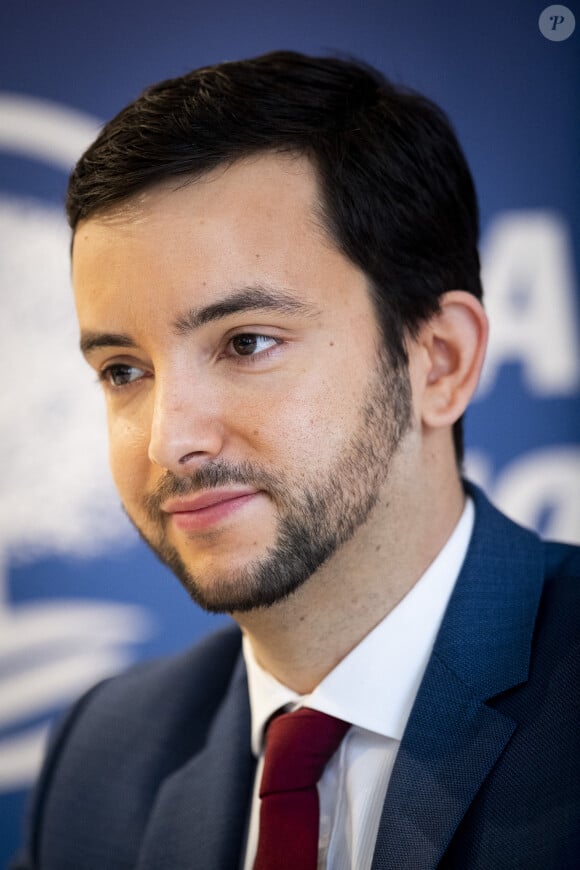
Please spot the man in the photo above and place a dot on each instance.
(277, 282)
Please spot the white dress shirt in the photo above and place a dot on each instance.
(373, 687)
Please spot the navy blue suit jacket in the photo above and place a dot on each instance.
(152, 770)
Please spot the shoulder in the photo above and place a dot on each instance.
(124, 737)
(148, 720)
(558, 622)
(204, 669)
(562, 561)
(516, 599)
(164, 692)
(500, 539)
(536, 590)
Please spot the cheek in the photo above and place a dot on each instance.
(128, 455)
(305, 425)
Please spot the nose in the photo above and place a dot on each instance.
(186, 429)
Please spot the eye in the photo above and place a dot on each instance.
(251, 344)
(119, 375)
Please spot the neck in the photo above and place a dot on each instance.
(301, 639)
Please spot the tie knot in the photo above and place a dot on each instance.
(298, 746)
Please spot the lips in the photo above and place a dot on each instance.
(208, 499)
(208, 508)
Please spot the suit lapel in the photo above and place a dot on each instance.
(453, 738)
(450, 744)
(199, 819)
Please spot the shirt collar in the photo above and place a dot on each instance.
(375, 685)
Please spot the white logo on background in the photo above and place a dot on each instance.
(56, 494)
(531, 299)
(539, 488)
(530, 295)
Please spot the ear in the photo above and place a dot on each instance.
(452, 348)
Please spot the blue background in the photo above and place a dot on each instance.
(512, 96)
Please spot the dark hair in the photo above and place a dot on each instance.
(395, 190)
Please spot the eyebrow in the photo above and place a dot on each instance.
(254, 298)
(91, 341)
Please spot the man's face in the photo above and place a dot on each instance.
(252, 414)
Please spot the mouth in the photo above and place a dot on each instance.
(208, 508)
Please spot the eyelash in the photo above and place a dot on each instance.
(254, 357)
(105, 375)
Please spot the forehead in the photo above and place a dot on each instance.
(254, 222)
(252, 192)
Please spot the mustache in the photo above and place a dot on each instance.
(209, 476)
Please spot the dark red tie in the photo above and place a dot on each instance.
(298, 746)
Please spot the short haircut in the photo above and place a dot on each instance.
(395, 189)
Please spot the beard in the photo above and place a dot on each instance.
(313, 521)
